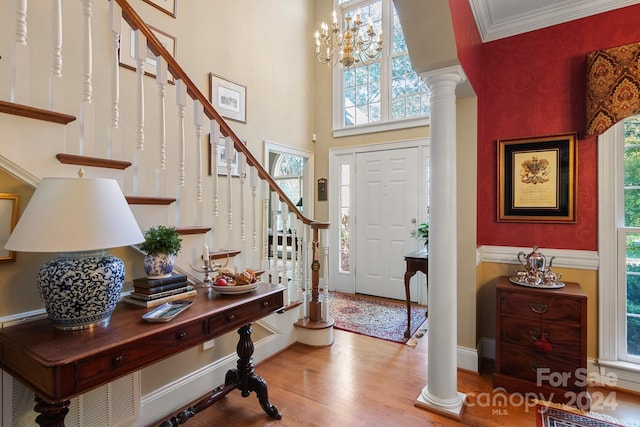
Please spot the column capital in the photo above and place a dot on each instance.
(454, 74)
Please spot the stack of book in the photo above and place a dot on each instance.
(154, 292)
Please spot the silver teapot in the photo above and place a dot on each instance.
(534, 261)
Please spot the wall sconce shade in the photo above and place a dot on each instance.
(79, 218)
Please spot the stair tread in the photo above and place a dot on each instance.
(74, 159)
(224, 253)
(35, 113)
(149, 200)
(193, 229)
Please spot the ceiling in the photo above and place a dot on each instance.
(498, 19)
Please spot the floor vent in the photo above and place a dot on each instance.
(110, 405)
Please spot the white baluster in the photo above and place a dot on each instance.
(324, 239)
(308, 250)
(265, 225)
(115, 19)
(161, 79)
(197, 123)
(56, 88)
(20, 65)
(214, 137)
(228, 146)
(181, 103)
(86, 110)
(285, 250)
(243, 177)
(141, 58)
(275, 276)
(254, 218)
(294, 253)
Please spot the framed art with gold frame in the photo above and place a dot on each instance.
(8, 220)
(537, 179)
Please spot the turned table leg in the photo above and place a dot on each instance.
(51, 414)
(245, 377)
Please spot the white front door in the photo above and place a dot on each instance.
(386, 203)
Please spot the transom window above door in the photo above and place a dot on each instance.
(385, 93)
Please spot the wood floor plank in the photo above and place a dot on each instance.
(363, 381)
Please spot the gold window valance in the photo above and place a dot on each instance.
(613, 86)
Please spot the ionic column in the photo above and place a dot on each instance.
(440, 394)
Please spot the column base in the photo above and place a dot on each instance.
(317, 334)
(451, 410)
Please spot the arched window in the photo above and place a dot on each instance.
(288, 174)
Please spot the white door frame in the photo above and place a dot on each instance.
(345, 282)
(307, 180)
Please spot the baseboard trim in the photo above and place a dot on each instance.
(468, 359)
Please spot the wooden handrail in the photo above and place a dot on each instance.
(136, 23)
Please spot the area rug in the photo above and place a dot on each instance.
(553, 415)
(384, 319)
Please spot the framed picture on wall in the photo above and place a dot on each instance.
(221, 161)
(170, 7)
(128, 50)
(537, 179)
(8, 220)
(228, 98)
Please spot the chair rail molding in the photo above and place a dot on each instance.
(566, 258)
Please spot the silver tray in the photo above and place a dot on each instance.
(556, 285)
(167, 311)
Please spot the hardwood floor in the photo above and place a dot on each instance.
(363, 381)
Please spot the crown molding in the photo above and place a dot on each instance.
(537, 15)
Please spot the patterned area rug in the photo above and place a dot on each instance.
(384, 319)
(554, 415)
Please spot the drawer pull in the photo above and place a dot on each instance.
(181, 335)
(231, 318)
(538, 307)
(117, 361)
(265, 304)
(535, 365)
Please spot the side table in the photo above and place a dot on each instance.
(416, 261)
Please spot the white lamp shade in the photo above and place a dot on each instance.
(75, 214)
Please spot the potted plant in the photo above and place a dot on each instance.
(160, 245)
(422, 233)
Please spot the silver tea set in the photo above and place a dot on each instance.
(537, 270)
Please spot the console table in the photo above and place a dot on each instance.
(416, 261)
(58, 365)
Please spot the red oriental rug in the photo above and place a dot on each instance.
(378, 318)
(560, 416)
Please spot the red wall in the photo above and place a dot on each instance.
(532, 85)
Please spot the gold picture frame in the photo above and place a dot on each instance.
(9, 205)
(127, 50)
(537, 179)
(170, 7)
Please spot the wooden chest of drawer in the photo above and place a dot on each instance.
(541, 342)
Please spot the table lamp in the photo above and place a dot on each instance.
(80, 218)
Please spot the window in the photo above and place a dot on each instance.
(345, 216)
(619, 251)
(387, 93)
(629, 235)
(288, 174)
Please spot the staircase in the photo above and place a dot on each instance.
(150, 134)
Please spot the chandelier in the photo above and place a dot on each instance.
(352, 45)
